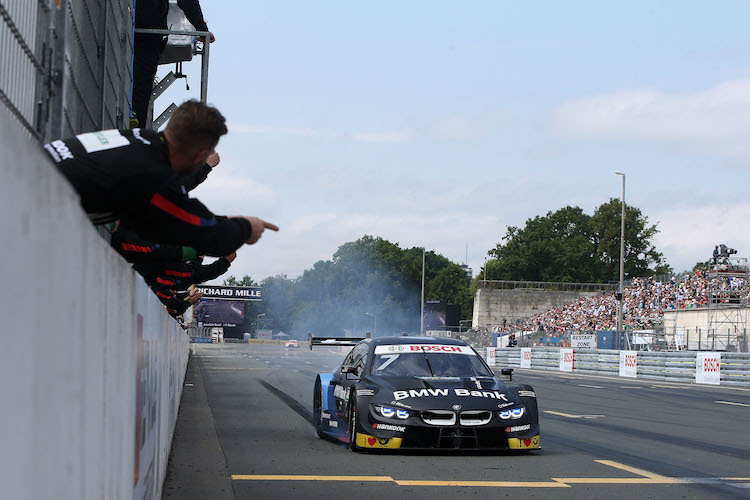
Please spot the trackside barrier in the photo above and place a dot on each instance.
(92, 365)
(678, 366)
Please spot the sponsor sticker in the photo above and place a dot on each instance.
(524, 443)
(389, 427)
(518, 428)
(527, 394)
(365, 392)
(419, 348)
(425, 393)
(504, 405)
(367, 441)
(333, 423)
(102, 140)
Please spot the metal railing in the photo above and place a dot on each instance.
(556, 286)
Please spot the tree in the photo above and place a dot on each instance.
(641, 257)
(569, 245)
(555, 247)
(245, 281)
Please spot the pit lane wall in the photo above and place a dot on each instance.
(717, 368)
(91, 364)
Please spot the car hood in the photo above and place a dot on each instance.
(423, 393)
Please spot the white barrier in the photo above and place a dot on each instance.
(92, 366)
(728, 368)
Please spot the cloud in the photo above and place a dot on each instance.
(309, 238)
(229, 194)
(714, 120)
(383, 137)
(688, 234)
(460, 127)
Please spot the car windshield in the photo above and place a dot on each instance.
(427, 361)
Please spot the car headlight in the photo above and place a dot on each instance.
(389, 412)
(512, 413)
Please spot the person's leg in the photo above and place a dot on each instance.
(147, 50)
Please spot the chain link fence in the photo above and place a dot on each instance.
(66, 65)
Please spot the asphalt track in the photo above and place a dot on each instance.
(243, 432)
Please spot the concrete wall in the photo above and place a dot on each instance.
(493, 305)
(91, 365)
(695, 325)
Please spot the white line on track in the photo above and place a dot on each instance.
(591, 386)
(568, 415)
(732, 403)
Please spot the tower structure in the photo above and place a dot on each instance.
(727, 296)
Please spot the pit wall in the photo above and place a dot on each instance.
(92, 365)
(493, 305)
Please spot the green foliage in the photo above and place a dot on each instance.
(569, 245)
(245, 281)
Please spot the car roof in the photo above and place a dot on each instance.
(416, 340)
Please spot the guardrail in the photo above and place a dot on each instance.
(725, 368)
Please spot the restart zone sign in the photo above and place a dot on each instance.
(251, 293)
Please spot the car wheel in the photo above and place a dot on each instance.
(353, 426)
(317, 419)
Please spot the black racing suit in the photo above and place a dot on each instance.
(180, 275)
(127, 175)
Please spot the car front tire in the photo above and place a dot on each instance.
(318, 410)
(353, 425)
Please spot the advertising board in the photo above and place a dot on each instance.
(491, 356)
(708, 368)
(628, 364)
(566, 360)
(526, 357)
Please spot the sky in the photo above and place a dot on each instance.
(439, 124)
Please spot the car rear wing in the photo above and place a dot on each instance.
(334, 341)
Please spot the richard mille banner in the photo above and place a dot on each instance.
(252, 293)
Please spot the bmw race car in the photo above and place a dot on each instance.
(422, 393)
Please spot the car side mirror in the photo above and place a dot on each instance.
(350, 370)
(508, 372)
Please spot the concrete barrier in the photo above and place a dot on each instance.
(91, 364)
(675, 366)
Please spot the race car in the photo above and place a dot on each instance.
(292, 343)
(422, 393)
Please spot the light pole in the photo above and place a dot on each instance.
(622, 256)
(375, 318)
(257, 322)
(421, 308)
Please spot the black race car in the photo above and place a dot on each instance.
(421, 393)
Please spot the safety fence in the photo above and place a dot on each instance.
(65, 65)
(725, 368)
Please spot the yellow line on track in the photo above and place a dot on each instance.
(495, 484)
(634, 470)
(616, 480)
(259, 477)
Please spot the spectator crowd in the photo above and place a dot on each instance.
(644, 303)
